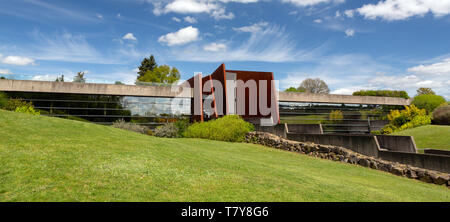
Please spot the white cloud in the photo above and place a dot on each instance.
(239, 1)
(221, 14)
(176, 19)
(257, 27)
(215, 47)
(349, 32)
(439, 68)
(190, 6)
(129, 36)
(318, 21)
(17, 60)
(5, 71)
(99, 16)
(180, 37)
(391, 10)
(215, 8)
(190, 19)
(349, 13)
(304, 3)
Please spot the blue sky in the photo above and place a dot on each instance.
(351, 44)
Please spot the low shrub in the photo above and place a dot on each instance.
(13, 104)
(28, 110)
(408, 118)
(230, 128)
(182, 125)
(168, 130)
(384, 93)
(3, 100)
(441, 115)
(428, 102)
(122, 124)
(336, 116)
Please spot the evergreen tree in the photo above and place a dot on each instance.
(148, 64)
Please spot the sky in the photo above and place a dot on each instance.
(350, 44)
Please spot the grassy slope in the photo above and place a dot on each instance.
(430, 136)
(51, 159)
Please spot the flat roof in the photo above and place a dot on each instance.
(178, 91)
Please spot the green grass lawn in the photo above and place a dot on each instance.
(430, 136)
(52, 159)
(303, 119)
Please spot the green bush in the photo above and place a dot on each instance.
(27, 110)
(441, 115)
(122, 124)
(182, 125)
(408, 118)
(428, 102)
(336, 116)
(384, 93)
(168, 130)
(13, 104)
(3, 100)
(230, 128)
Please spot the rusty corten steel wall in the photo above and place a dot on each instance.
(220, 75)
(253, 75)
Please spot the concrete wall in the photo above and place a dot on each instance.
(279, 129)
(427, 161)
(364, 144)
(96, 89)
(332, 98)
(305, 128)
(166, 91)
(397, 143)
(437, 152)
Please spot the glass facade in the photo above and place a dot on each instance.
(336, 117)
(107, 109)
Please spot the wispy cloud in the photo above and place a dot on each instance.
(40, 10)
(272, 44)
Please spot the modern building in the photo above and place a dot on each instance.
(155, 104)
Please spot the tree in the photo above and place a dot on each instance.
(60, 79)
(425, 91)
(428, 102)
(314, 86)
(293, 89)
(119, 83)
(148, 64)
(161, 74)
(79, 78)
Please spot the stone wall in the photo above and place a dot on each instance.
(364, 144)
(337, 153)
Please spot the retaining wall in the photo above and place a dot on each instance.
(397, 143)
(439, 163)
(438, 152)
(305, 128)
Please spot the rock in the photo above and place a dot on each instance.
(410, 173)
(397, 170)
(438, 179)
(364, 162)
(424, 176)
(373, 165)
